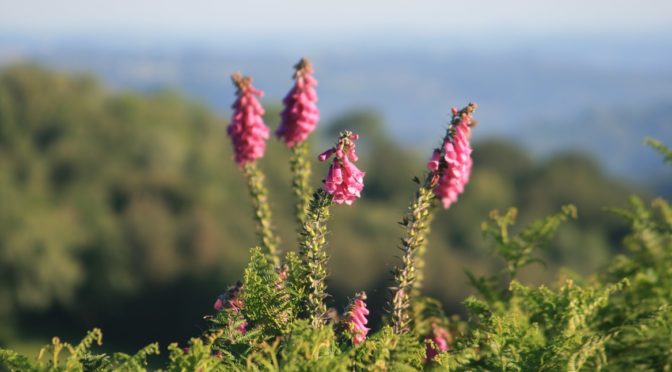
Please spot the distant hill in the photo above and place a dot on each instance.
(614, 135)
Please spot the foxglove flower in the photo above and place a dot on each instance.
(355, 319)
(344, 181)
(440, 342)
(457, 154)
(301, 114)
(247, 129)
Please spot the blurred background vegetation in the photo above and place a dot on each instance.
(125, 211)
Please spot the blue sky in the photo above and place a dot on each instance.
(308, 20)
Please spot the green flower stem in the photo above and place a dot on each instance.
(262, 211)
(416, 222)
(420, 255)
(314, 257)
(301, 171)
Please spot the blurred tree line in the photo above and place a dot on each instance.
(126, 211)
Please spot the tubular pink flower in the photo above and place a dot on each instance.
(301, 114)
(433, 163)
(457, 155)
(326, 155)
(441, 339)
(247, 129)
(355, 319)
(344, 180)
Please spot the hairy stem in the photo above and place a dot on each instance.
(314, 257)
(301, 171)
(262, 212)
(420, 255)
(416, 222)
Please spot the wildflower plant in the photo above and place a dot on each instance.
(343, 184)
(277, 318)
(248, 134)
(297, 121)
(448, 172)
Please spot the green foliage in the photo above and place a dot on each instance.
(198, 357)
(661, 148)
(539, 329)
(311, 349)
(646, 340)
(518, 250)
(124, 362)
(267, 301)
(79, 358)
(388, 351)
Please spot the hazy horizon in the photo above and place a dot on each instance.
(306, 21)
(551, 63)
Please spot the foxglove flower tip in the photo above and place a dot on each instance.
(247, 129)
(300, 115)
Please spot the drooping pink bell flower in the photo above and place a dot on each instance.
(440, 342)
(247, 129)
(301, 114)
(355, 319)
(433, 163)
(344, 181)
(457, 154)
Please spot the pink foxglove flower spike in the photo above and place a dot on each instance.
(300, 116)
(297, 121)
(355, 319)
(249, 134)
(247, 129)
(449, 169)
(344, 181)
(343, 184)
